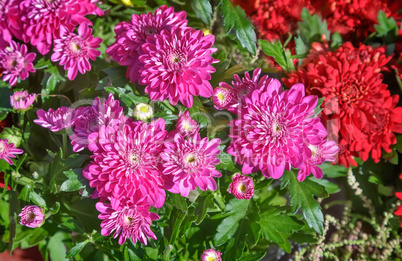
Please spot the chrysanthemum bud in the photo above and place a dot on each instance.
(242, 187)
(143, 111)
(186, 125)
(211, 255)
(22, 101)
(31, 216)
(221, 97)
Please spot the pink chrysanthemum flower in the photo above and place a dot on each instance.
(242, 187)
(274, 130)
(8, 150)
(89, 119)
(125, 161)
(316, 155)
(190, 163)
(16, 62)
(211, 255)
(56, 120)
(10, 22)
(128, 220)
(186, 126)
(242, 87)
(178, 65)
(31, 216)
(130, 36)
(74, 51)
(43, 19)
(22, 100)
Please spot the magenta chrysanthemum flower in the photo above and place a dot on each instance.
(242, 187)
(233, 98)
(186, 126)
(56, 120)
(316, 155)
(125, 161)
(274, 130)
(74, 51)
(22, 100)
(130, 36)
(31, 216)
(16, 62)
(190, 163)
(211, 255)
(10, 22)
(8, 150)
(43, 19)
(128, 220)
(178, 65)
(89, 119)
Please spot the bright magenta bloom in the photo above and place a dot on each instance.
(74, 51)
(8, 150)
(128, 220)
(222, 98)
(130, 36)
(178, 65)
(211, 255)
(186, 126)
(22, 100)
(56, 120)
(190, 163)
(242, 187)
(31, 216)
(274, 130)
(43, 19)
(10, 22)
(125, 162)
(17, 62)
(89, 119)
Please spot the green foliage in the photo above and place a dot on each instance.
(276, 51)
(386, 27)
(203, 10)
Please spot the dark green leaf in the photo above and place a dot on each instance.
(203, 10)
(276, 51)
(77, 249)
(179, 202)
(117, 75)
(70, 223)
(72, 183)
(204, 203)
(25, 194)
(37, 199)
(302, 196)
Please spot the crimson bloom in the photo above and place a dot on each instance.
(74, 51)
(31, 216)
(178, 65)
(17, 62)
(8, 150)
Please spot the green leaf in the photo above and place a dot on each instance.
(25, 194)
(302, 196)
(330, 187)
(277, 227)
(333, 171)
(37, 199)
(227, 228)
(117, 75)
(387, 27)
(276, 51)
(70, 223)
(179, 202)
(42, 63)
(226, 162)
(127, 96)
(131, 253)
(56, 247)
(77, 249)
(318, 108)
(72, 183)
(203, 10)
(204, 203)
(235, 17)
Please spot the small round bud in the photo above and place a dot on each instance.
(143, 111)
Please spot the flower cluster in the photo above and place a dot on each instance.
(277, 130)
(358, 110)
(171, 59)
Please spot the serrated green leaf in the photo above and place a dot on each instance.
(330, 187)
(203, 10)
(70, 223)
(235, 17)
(302, 196)
(72, 183)
(276, 51)
(386, 27)
(77, 249)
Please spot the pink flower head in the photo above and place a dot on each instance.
(316, 155)
(190, 163)
(211, 255)
(10, 22)
(17, 62)
(56, 120)
(89, 119)
(242, 187)
(130, 36)
(44, 19)
(31, 216)
(22, 100)
(186, 125)
(274, 130)
(128, 220)
(125, 161)
(178, 65)
(221, 98)
(233, 98)
(8, 150)
(74, 51)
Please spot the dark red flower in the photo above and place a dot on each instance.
(398, 211)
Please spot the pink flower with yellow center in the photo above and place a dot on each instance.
(211, 255)
(31, 216)
(242, 187)
(186, 126)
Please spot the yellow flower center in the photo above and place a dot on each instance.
(242, 188)
(220, 96)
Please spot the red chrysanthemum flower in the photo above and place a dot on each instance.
(178, 65)
(42, 19)
(398, 211)
(10, 22)
(130, 36)
(125, 162)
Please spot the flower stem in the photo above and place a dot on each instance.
(65, 148)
